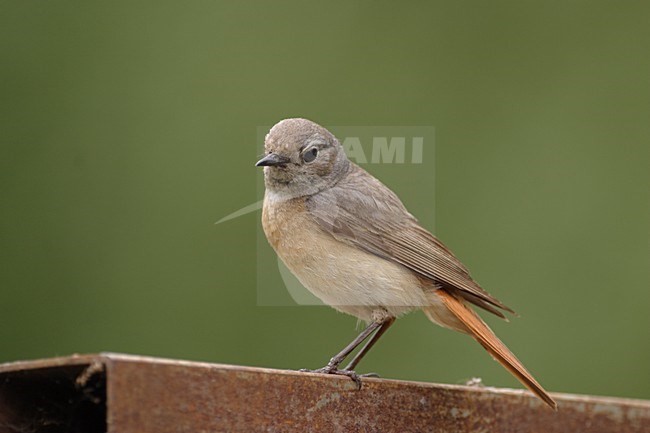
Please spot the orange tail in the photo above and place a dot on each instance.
(478, 329)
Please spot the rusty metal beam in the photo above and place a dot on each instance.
(128, 394)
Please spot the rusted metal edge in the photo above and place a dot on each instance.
(107, 358)
(127, 393)
(54, 395)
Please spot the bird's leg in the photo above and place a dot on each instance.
(339, 357)
(332, 366)
(384, 327)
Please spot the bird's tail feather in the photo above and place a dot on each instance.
(479, 330)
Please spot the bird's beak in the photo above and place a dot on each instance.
(272, 160)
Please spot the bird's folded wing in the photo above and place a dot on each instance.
(361, 211)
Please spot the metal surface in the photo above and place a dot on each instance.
(120, 393)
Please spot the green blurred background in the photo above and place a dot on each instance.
(128, 128)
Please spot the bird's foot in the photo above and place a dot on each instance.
(354, 377)
(323, 370)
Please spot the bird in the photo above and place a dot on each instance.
(351, 242)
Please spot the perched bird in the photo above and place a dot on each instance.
(352, 243)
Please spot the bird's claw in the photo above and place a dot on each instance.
(354, 377)
(322, 370)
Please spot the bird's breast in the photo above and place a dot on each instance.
(341, 275)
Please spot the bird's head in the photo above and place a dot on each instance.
(301, 158)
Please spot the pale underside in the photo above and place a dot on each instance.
(336, 244)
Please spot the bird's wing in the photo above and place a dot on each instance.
(361, 211)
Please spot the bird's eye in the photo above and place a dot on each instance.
(310, 155)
